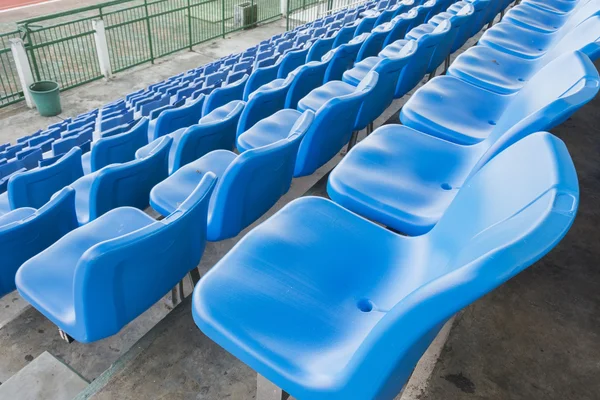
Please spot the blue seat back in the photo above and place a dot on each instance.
(342, 58)
(34, 188)
(215, 131)
(292, 60)
(412, 74)
(116, 120)
(308, 77)
(382, 94)
(119, 129)
(119, 148)
(156, 257)
(223, 95)
(146, 109)
(216, 78)
(365, 25)
(319, 48)
(236, 76)
(30, 157)
(385, 16)
(26, 232)
(261, 76)
(181, 117)
(129, 184)
(422, 12)
(331, 128)
(61, 146)
(266, 101)
(482, 10)
(254, 182)
(540, 105)
(374, 43)
(400, 26)
(283, 46)
(344, 35)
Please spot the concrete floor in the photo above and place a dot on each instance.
(538, 335)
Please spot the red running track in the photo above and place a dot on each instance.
(10, 4)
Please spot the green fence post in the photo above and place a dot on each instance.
(32, 59)
(223, 17)
(287, 16)
(189, 23)
(149, 31)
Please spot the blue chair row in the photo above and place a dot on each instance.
(504, 195)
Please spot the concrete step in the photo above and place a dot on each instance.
(45, 378)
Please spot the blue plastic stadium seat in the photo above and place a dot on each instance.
(291, 60)
(415, 70)
(265, 101)
(223, 95)
(61, 146)
(342, 58)
(331, 128)
(35, 187)
(505, 73)
(249, 184)
(99, 277)
(374, 42)
(366, 24)
(214, 131)
(388, 70)
(557, 6)
(524, 42)
(546, 21)
(119, 185)
(117, 148)
(116, 120)
(262, 75)
(344, 35)
(171, 120)
(26, 232)
(30, 157)
(319, 48)
(358, 305)
(471, 114)
(306, 78)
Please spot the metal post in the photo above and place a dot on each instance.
(149, 30)
(23, 68)
(102, 48)
(370, 128)
(501, 15)
(352, 141)
(446, 65)
(194, 276)
(190, 24)
(223, 17)
(265, 390)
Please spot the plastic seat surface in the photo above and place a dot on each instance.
(557, 6)
(307, 77)
(504, 73)
(361, 336)
(83, 282)
(171, 120)
(34, 188)
(119, 148)
(26, 232)
(261, 76)
(472, 113)
(249, 184)
(119, 185)
(268, 130)
(546, 21)
(223, 95)
(319, 49)
(292, 60)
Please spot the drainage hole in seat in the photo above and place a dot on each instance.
(365, 305)
(521, 80)
(492, 122)
(446, 186)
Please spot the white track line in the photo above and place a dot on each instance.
(28, 5)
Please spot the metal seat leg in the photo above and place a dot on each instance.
(352, 141)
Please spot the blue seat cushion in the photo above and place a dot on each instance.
(493, 70)
(517, 40)
(419, 31)
(439, 18)
(401, 178)
(321, 95)
(319, 324)
(166, 196)
(469, 113)
(4, 204)
(393, 49)
(47, 280)
(355, 75)
(536, 18)
(86, 162)
(16, 215)
(268, 130)
(274, 84)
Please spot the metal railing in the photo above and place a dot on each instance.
(10, 87)
(61, 47)
(299, 12)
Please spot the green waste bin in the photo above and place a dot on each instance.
(46, 97)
